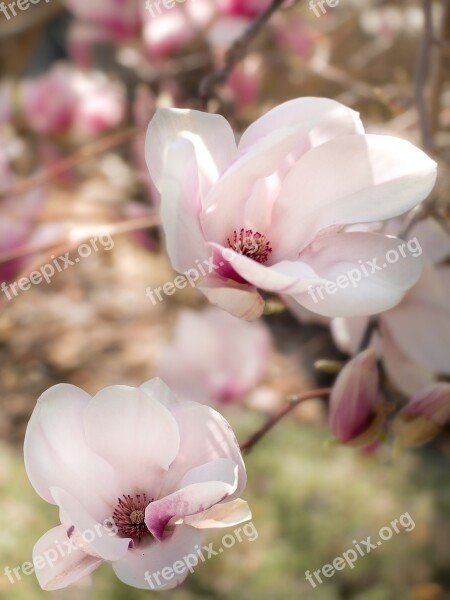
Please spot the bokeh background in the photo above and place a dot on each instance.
(80, 81)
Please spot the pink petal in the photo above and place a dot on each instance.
(407, 375)
(225, 514)
(107, 546)
(180, 207)
(135, 433)
(284, 277)
(201, 488)
(150, 558)
(358, 294)
(205, 437)
(57, 454)
(330, 118)
(354, 179)
(54, 571)
(242, 301)
(203, 130)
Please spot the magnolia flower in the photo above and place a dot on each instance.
(159, 469)
(215, 357)
(413, 338)
(357, 410)
(271, 212)
(424, 416)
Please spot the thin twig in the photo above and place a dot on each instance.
(71, 161)
(422, 75)
(248, 444)
(236, 53)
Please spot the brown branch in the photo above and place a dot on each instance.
(236, 53)
(292, 403)
(97, 147)
(422, 75)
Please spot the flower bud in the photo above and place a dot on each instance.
(424, 416)
(357, 410)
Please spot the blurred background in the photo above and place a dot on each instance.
(80, 81)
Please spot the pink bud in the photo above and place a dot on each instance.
(424, 416)
(357, 410)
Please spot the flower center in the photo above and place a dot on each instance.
(254, 245)
(129, 516)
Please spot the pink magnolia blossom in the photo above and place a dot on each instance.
(246, 8)
(162, 470)
(68, 101)
(271, 212)
(215, 357)
(118, 17)
(414, 336)
(357, 410)
(424, 416)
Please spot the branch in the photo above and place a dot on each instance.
(293, 402)
(71, 161)
(422, 75)
(236, 53)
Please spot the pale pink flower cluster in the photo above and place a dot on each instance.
(66, 101)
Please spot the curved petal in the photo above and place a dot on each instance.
(355, 287)
(143, 566)
(62, 570)
(242, 301)
(180, 207)
(205, 437)
(408, 376)
(135, 433)
(354, 179)
(332, 120)
(57, 454)
(284, 277)
(221, 515)
(211, 135)
(273, 156)
(348, 333)
(422, 333)
(201, 488)
(94, 535)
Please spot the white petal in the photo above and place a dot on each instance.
(354, 179)
(212, 136)
(180, 207)
(54, 571)
(199, 489)
(57, 454)
(97, 538)
(225, 514)
(135, 433)
(331, 120)
(242, 301)
(355, 288)
(148, 559)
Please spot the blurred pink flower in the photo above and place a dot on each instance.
(68, 101)
(48, 102)
(159, 468)
(215, 357)
(424, 416)
(118, 17)
(357, 410)
(269, 214)
(414, 340)
(245, 8)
